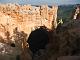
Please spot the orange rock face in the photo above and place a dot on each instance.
(26, 17)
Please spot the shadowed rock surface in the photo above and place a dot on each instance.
(65, 41)
(69, 58)
(38, 39)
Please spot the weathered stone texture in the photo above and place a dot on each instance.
(77, 12)
(26, 17)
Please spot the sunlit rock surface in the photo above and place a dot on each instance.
(77, 12)
(17, 22)
(26, 17)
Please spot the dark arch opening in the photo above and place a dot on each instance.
(38, 39)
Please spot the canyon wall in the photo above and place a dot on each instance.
(26, 17)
